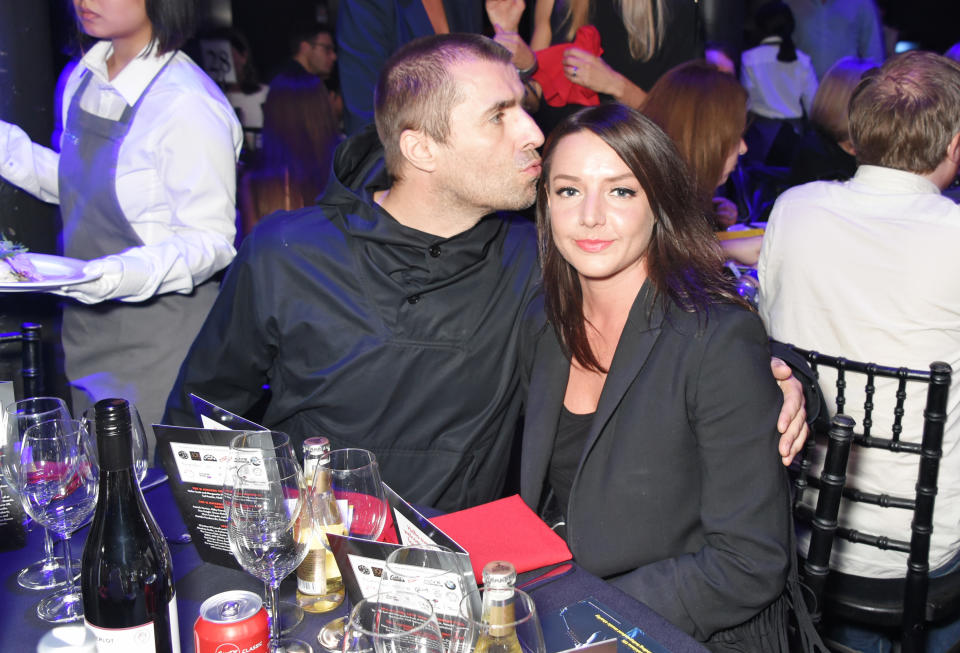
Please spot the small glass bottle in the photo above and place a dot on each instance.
(500, 635)
(319, 584)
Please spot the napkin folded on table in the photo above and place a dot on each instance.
(506, 529)
(557, 89)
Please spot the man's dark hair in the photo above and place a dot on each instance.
(307, 31)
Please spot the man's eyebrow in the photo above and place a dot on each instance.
(501, 106)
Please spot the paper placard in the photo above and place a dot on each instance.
(196, 460)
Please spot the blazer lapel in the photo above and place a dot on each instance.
(548, 384)
(640, 333)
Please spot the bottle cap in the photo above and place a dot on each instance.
(499, 574)
(316, 447)
(114, 432)
(68, 639)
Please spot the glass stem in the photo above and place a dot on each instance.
(274, 617)
(68, 563)
(267, 601)
(49, 560)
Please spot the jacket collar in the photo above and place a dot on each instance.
(548, 385)
(402, 253)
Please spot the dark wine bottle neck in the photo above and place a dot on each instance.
(115, 451)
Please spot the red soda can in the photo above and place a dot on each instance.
(232, 622)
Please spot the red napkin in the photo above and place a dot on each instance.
(557, 89)
(505, 529)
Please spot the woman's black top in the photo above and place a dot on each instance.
(572, 432)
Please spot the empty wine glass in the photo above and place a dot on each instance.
(58, 482)
(251, 447)
(269, 510)
(506, 622)
(356, 485)
(17, 418)
(433, 572)
(393, 622)
(139, 443)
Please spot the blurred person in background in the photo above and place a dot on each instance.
(145, 180)
(369, 31)
(640, 39)
(780, 81)
(300, 134)
(825, 151)
(867, 269)
(829, 30)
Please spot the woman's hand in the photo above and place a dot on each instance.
(505, 15)
(590, 71)
(792, 422)
(725, 211)
(522, 57)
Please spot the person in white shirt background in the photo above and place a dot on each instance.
(146, 181)
(779, 79)
(867, 269)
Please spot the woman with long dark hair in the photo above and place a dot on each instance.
(652, 412)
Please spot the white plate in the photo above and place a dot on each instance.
(57, 271)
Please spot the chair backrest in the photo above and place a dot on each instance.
(831, 483)
(31, 367)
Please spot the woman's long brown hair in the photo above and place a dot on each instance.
(683, 260)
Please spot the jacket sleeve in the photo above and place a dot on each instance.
(732, 404)
(365, 39)
(230, 360)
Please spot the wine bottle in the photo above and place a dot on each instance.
(499, 635)
(319, 583)
(129, 600)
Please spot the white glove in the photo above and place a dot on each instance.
(109, 271)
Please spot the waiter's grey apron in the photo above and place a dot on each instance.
(116, 349)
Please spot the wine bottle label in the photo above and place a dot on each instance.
(136, 638)
(121, 640)
(174, 625)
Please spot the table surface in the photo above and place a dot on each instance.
(21, 629)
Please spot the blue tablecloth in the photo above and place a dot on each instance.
(21, 629)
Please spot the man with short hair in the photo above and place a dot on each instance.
(312, 52)
(868, 269)
(392, 315)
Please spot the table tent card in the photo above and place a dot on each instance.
(196, 460)
(13, 535)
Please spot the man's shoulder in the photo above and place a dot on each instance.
(312, 227)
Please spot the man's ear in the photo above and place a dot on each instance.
(953, 149)
(418, 149)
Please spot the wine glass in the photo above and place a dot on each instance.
(356, 485)
(250, 447)
(58, 482)
(139, 443)
(266, 526)
(51, 571)
(393, 622)
(507, 621)
(431, 571)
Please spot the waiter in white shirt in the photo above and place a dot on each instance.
(146, 184)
